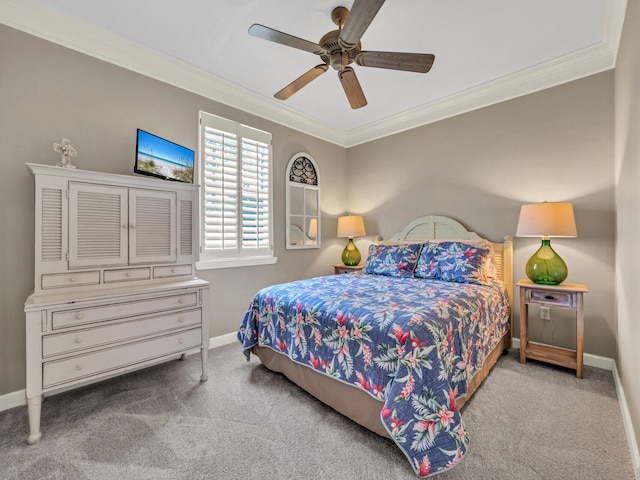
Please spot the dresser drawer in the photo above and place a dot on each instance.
(172, 271)
(550, 297)
(127, 275)
(81, 316)
(78, 340)
(81, 366)
(62, 280)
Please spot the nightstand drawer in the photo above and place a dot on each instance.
(340, 269)
(550, 297)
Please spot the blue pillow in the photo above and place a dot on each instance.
(428, 262)
(462, 262)
(392, 260)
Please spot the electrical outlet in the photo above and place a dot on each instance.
(545, 313)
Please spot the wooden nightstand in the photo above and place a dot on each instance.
(565, 295)
(339, 268)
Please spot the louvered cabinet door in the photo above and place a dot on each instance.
(97, 225)
(51, 226)
(152, 226)
(186, 227)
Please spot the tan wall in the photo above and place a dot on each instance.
(627, 175)
(479, 168)
(476, 167)
(49, 92)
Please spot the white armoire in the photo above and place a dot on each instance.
(115, 286)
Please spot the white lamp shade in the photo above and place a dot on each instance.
(351, 226)
(548, 219)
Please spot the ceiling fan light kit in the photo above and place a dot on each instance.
(340, 48)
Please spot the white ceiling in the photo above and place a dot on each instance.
(486, 51)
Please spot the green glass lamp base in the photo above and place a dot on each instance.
(545, 267)
(351, 255)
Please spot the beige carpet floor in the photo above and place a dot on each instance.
(530, 421)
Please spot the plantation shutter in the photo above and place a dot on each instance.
(236, 193)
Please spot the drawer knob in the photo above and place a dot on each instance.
(181, 300)
(79, 340)
(180, 319)
(128, 274)
(549, 297)
(78, 367)
(72, 279)
(173, 270)
(79, 315)
(180, 340)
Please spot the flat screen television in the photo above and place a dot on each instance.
(161, 158)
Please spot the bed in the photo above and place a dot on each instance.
(400, 346)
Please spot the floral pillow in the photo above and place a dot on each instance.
(393, 260)
(463, 263)
(428, 262)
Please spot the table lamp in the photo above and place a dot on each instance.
(546, 220)
(351, 226)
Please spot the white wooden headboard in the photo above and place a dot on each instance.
(437, 227)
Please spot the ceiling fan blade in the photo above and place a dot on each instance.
(302, 81)
(410, 62)
(272, 35)
(352, 88)
(361, 15)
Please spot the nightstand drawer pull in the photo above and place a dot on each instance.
(549, 297)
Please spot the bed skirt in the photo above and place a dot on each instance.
(349, 400)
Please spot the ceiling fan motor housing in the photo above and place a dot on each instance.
(336, 56)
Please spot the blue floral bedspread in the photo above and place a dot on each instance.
(411, 343)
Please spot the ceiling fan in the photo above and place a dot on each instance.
(339, 48)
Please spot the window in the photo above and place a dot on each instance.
(235, 178)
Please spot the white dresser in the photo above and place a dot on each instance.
(115, 287)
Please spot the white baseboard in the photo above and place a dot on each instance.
(628, 426)
(223, 340)
(13, 399)
(597, 361)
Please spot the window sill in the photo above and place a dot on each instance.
(235, 262)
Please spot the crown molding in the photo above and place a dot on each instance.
(76, 35)
(32, 18)
(561, 70)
